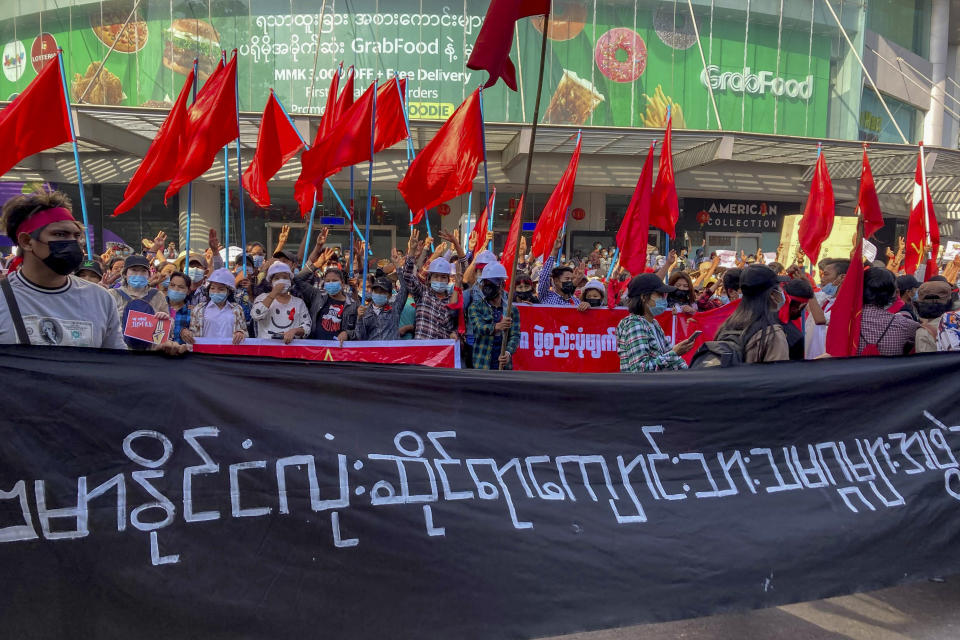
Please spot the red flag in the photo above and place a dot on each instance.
(916, 249)
(37, 119)
(868, 204)
(346, 95)
(664, 207)
(349, 142)
(554, 214)
(446, 167)
(211, 124)
(330, 114)
(160, 163)
(843, 332)
(513, 240)
(635, 228)
(817, 221)
(491, 52)
(277, 142)
(478, 236)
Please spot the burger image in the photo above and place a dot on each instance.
(187, 39)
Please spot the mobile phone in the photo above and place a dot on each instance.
(695, 335)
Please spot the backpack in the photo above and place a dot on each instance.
(729, 351)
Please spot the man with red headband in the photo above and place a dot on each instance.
(42, 303)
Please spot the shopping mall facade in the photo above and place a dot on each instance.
(782, 76)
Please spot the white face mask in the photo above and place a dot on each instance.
(286, 285)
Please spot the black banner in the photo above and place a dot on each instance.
(214, 497)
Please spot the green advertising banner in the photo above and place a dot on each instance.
(610, 63)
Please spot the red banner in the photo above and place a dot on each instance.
(554, 338)
(430, 353)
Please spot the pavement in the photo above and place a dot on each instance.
(921, 611)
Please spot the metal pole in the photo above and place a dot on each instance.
(526, 181)
(373, 132)
(226, 192)
(76, 157)
(243, 219)
(186, 254)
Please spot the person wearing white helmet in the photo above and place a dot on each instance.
(486, 318)
(278, 313)
(221, 317)
(435, 319)
(471, 292)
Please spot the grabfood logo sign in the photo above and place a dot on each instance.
(759, 83)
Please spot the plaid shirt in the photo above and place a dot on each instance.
(544, 293)
(893, 333)
(643, 347)
(482, 317)
(435, 320)
(181, 321)
(196, 320)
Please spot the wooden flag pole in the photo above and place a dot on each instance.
(526, 182)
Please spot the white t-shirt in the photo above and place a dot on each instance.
(218, 322)
(78, 314)
(815, 335)
(280, 317)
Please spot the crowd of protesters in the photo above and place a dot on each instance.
(53, 294)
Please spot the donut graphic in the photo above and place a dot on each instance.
(674, 26)
(621, 55)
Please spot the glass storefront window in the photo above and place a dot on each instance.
(905, 22)
(876, 126)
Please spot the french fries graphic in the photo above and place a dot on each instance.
(656, 113)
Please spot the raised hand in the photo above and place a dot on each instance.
(321, 237)
(413, 241)
(213, 240)
(158, 243)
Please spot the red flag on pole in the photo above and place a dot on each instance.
(478, 236)
(923, 234)
(160, 163)
(843, 332)
(349, 141)
(635, 228)
(554, 214)
(277, 142)
(303, 191)
(817, 220)
(446, 167)
(868, 204)
(664, 206)
(491, 52)
(330, 113)
(37, 119)
(211, 124)
(513, 240)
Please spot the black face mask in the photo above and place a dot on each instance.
(677, 297)
(929, 309)
(568, 288)
(594, 302)
(524, 295)
(490, 290)
(65, 256)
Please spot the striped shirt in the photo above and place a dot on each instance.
(544, 293)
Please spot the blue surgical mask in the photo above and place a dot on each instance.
(137, 282)
(440, 287)
(916, 296)
(830, 290)
(725, 299)
(218, 298)
(783, 301)
(379, 299)
(166, 283)
(659, 306)
(332, 288)
(196, 274)
(258, 261)
(176, 296)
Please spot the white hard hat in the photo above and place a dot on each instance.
(278, 267)
(493, 271)
(224, 277)
(485, 257)
(441, 265)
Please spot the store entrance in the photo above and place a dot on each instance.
(736, 242)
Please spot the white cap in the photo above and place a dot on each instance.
(278, 267)
(869, 251)
(595, 284)
(493, 271)
(224, 277)
(485, 257)
(441, 265)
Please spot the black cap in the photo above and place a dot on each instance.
(91, 265)
(648, 283)
(285, 254)
(383, 283)
(907, 282)
(799, 288)
(135, 261)
(757, 278)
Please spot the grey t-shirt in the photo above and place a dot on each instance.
(78, 314)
